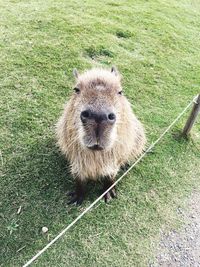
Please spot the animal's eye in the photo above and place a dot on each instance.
(76, 90)
(120, 92)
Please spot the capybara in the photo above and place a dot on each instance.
(98, 131)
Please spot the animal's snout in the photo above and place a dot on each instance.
(86, 115)
(98, 117)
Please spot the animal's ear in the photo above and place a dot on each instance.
(114, 71)
(75, 72)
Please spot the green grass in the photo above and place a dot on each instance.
(156, 46)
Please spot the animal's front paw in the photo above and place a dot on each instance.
(110, 194)
(75, 198)
(125, 167)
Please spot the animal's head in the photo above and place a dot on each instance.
(97, 102)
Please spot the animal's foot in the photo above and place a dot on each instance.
(125, 167)
(75, 198)
(110, 194)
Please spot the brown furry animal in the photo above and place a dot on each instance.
(98, 132)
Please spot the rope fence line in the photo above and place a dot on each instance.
(114, 184)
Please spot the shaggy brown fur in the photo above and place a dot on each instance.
(99, 89)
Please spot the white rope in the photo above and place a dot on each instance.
(102, 195)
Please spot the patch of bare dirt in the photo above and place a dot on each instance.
(182, 248)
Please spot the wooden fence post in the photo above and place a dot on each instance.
(193, 115)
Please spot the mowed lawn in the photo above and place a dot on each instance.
(156, 47)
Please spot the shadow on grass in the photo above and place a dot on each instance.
(38, 180)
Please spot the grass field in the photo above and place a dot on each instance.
(156, 46)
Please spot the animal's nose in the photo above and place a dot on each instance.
(98, 117)
(86, 115)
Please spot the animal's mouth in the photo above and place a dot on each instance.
(96, 147)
